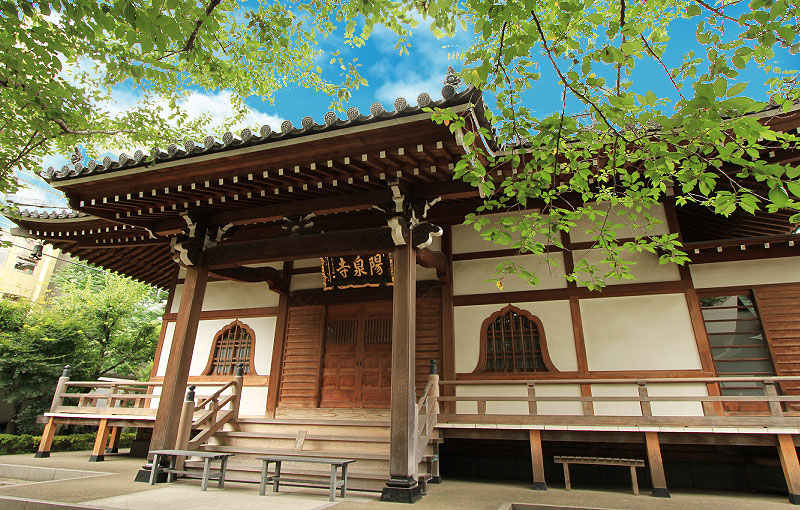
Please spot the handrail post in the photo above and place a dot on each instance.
(433, 380)
(644, 404)
(238, 380)
(532, 404)
(60, 387)
(185, 427)
(775, 408)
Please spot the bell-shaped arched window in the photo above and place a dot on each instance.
(233, 344)
(512, 340)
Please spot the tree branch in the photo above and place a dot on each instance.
(87, 132)
(669, 75)
(564, 79)
(720, 13)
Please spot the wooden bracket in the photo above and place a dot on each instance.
(272, 276)
(434, 260)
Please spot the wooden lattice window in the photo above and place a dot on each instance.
(512, 340)
(233, 344)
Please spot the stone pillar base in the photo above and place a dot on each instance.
(41, 455)
(401, 491)
(660, 492)
(539, 486)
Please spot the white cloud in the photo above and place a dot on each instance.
(410, 87)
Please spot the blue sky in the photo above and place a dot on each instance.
(391, 75)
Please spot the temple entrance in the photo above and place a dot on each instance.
(357, 356)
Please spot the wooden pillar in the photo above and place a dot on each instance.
(448, 324)
(402, 486)
(278, 345)
(790, 465)
(113, 440)
(537, 460)
(47, 439)
(656, 466)
(165, 429)
(100, 442)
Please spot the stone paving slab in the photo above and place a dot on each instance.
(186, 495)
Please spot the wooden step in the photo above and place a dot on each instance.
(309, 437)
(314, 421)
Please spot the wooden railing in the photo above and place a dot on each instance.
(425, 411)
(212, 415)
(129, 398)
(767, 409)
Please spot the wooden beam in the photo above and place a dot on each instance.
(270, 275)
(351, 242)
(402, 486)
(434, 260)
(278, 344)
(165, 430)
(656, 466)
(791, 468)
(448, 323)
(537, 460)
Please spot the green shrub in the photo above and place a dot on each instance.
(11, 444)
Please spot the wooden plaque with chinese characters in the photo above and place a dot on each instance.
(354, 271)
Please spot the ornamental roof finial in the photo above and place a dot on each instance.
(451, 78)
(76, 156)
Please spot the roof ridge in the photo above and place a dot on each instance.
(229, 140)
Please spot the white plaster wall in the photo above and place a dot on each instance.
(520, 390)
(556, 320)
(628, 228)
(616, 408)
(315, 262)
(746, 272)
(644, 267)
(472, 276)
(639, 333)
(307, 281)
(161, 369)
(676, 390)
(263, 327)
(228, 295)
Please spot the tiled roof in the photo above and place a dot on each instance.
(265, 135)
(61, 214)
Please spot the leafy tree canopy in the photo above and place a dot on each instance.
(98, 323)
(615, 147)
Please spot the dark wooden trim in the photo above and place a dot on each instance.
(234, 313)
(278, 345)
(323, 324)
(717, 291)
(525, 296)
(269, 275)
(608, 374)
(577, 333)
(218, 335)
(481, 366)
(448, 321)
(487, 254)
(425, 289)
(307, 270)
(751, 253)
(249, 380)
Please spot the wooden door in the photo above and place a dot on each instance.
(356, 367)
(301, 357)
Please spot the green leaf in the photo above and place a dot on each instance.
(778, 196)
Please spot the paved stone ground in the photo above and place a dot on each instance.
(114, 489)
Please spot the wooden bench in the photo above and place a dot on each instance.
(207, 457)
(602, 461)
(277, 479)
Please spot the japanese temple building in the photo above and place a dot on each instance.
(331, 261)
